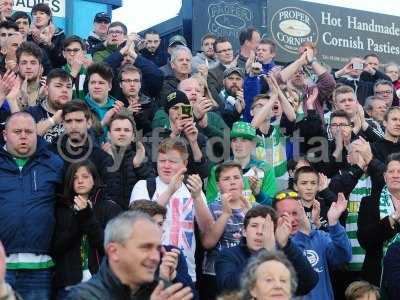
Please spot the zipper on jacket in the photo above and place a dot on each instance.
(34, 180)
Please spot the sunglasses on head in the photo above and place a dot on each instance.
(286, 195)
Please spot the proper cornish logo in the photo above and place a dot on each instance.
(292, 26)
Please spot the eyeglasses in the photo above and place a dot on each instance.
(130, 81)
(115, 32)
(387, 92)
(74, 50)
(225, 50)
(334, 125)
(286, 195)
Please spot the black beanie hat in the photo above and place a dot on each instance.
(175, 98)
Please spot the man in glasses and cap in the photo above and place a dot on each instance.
(100, 28)
(322, 249)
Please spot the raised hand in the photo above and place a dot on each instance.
(173, 292)
(315, 213)
(140, 155)
(323, 182)
(336, 209)
(80, 202)
(283, 230)
(194, 185)
(226, 206)
(169, 262)
(269, 234)
(176, 181)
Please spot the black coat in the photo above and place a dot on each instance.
(122, 180)
(106, 286)
(372, 234)
(70, 227)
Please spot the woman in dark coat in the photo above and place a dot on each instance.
(81, 216)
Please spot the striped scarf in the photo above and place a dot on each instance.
(386, 208)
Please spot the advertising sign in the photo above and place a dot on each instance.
(57, 6)
(339, 33)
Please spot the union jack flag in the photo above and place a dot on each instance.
(182, 223)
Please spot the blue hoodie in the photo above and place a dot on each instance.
(323, 249)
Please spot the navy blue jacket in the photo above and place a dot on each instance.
(231, 262)
(27, 201)
(391, 272)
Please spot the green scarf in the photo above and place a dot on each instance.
(386, 208)
(78, 82)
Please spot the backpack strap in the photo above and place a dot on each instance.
(151, 186)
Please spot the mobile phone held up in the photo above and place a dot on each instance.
(358, 66)
(186, 111)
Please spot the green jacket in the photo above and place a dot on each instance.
(215, 126)
(101, 55)
(268, 184)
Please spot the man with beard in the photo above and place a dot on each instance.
(77, 143)
(231, 97)
(29, 60)
(6, 9)
(152, 50)
(47, 114)
(207, 52)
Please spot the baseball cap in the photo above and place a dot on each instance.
(175, 98)
(177, 39)
(102, 16)
(243, 130)
(232, 70)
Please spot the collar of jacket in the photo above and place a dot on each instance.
(42, 152)
(112, 283)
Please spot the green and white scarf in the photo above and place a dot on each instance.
(386, 208)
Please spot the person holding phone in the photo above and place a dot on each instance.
(182, 126)
(361, 74)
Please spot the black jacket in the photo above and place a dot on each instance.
(372, 234)
(71, 226)
(381, 149)
(122, 180)
(106, 286)
(158, 57)
(54, 51)
(91, 150)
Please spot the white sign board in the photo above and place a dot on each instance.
(57, 6)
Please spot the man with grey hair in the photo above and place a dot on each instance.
(132, 243)
(29, 175)
(181, 64)
(376, 108)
